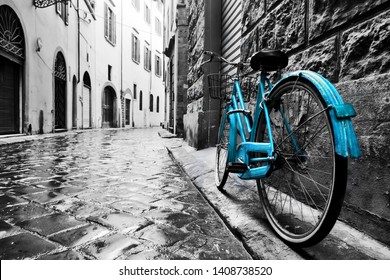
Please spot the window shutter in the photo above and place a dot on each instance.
(138, 51)
(150, 61)
(145, 54)
(66, 13)
(132, 47)
(105, 20)
(113, 28)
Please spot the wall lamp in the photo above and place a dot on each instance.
(39, 45)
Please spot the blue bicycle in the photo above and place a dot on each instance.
(295, 143)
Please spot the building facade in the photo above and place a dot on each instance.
(38, 63)
(68, 65)
(129, 51)
(175, 42)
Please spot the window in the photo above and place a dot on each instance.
(151, 102)
(135, 49)
(109, 71)
(135, 91)
(158, 65)
(158, 104)
(62, 11)
(148, 59)
(140, 100)
(147, 14)
(159, 6)
(136, 4)
(109, 24)
(157, 26)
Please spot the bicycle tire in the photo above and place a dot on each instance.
(221, 155)
(303, 195)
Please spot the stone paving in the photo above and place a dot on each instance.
(104, 194)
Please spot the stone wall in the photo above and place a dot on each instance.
(204, 31)
(182, 69)
(347, 42)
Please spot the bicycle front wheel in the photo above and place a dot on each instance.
(303, 195)
(221, 157)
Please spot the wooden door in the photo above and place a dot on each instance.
(9, 96)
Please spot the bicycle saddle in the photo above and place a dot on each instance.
(269, 60)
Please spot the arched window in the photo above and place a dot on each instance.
(151, 102)
(11, 34)
(140, 100)
(158, 104)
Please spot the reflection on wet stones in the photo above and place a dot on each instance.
(6, 200)
(179, 219)
(111, 247)
(66, 255)
(79, 236)
(163, 235)
(23, 212)
(45, 197)
(104, 194)
(50, 224)
(131, 206)
(22, 246)
(122, 221)
(25, 189)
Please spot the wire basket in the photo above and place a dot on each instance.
(220, 86)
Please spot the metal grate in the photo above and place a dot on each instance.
(11, 32)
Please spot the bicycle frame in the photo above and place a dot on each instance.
(233, 111)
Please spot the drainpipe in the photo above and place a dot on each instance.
(78, 41)
(121, 117)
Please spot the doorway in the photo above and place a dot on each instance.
(108, 107)
(9, 96)
(60, 93)
(12, 56)
(86, 101)
(127, 118)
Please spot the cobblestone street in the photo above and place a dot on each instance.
(104, 194)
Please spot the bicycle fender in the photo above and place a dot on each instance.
(346, 143)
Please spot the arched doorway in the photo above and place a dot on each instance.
(127, 116)
(60, 92)
(86, 101)
(108, 107)
(11, 63)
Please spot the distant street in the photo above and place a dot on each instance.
(104, 194)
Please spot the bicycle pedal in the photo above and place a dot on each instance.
(237, 167)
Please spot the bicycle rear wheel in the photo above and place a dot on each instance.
(221, 157)
(303, 195)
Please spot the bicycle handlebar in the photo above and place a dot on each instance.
(214, 56)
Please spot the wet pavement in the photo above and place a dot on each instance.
(104, 194)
